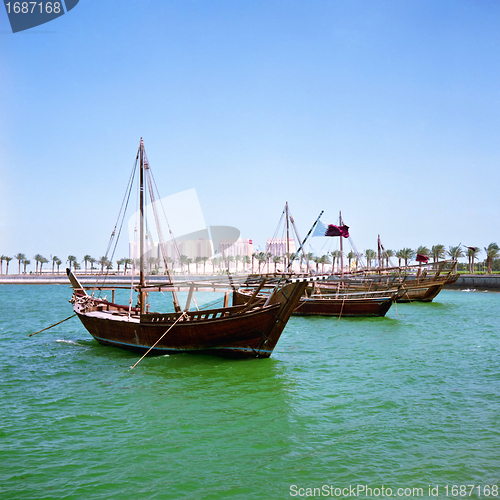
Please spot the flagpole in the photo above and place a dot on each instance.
(341, 248)
(379, 254)
(294, 256)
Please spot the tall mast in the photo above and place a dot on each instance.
(341, 248)
(287, 260)
(141, 232)
(148, 182)
(379, 250)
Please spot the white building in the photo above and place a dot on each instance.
(278, 246)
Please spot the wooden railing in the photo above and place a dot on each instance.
(191, 315)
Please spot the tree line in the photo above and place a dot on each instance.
(265, 259)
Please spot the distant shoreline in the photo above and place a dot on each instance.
(85, 279)
(465, 281)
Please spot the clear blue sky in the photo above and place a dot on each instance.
(388, 111)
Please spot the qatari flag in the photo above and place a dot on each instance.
(337, 231)
(422, 258)
(331, 230)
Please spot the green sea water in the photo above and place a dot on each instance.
(408, 401)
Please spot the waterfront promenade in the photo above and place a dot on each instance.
(477, 281)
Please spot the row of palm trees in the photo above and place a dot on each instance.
(264, 259)
(89, 263)
(40, 260)
(437, 253)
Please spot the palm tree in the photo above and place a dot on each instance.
(215, 262)
(370, 255)
(324, 259)
(103, 260)
(387, 254)
(43, 261)
(169, 263)
(204, 260)
(422, 250)
(317, 260)
(92, 262)
(58, 263)
(309, 256)
(86, 259)
(152, 262)
(20, 258)
(455, 253)
(183, 260)
(72, 260)
(336, 255)
(245, 260)
(26, 262)
(276, 261)
(334, 258)
(54, 260)
(406, 254)
(438, 252)
(269, 256)
(286, 258)
(261, 258)
(37, 258)
(126, 262)
(119, 262)
(237, 258)
(492, 252)
(2, 258)
(472, 254)
(197, 261)
(301, 258)
(229, 259)
(350, 257)
(7, 259)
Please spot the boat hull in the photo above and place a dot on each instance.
(420, 294)
(349, 306)
(410, 289)
(230, 332)
(343, 308)
(224, 337)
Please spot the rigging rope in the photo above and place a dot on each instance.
(121, 214)
(166, 219)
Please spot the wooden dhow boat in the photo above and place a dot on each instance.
(347, 304)
(250, 330)
(321, 300)
(421, 284)
(234, 331)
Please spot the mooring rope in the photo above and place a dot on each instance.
(55, 324)
(154, 345)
